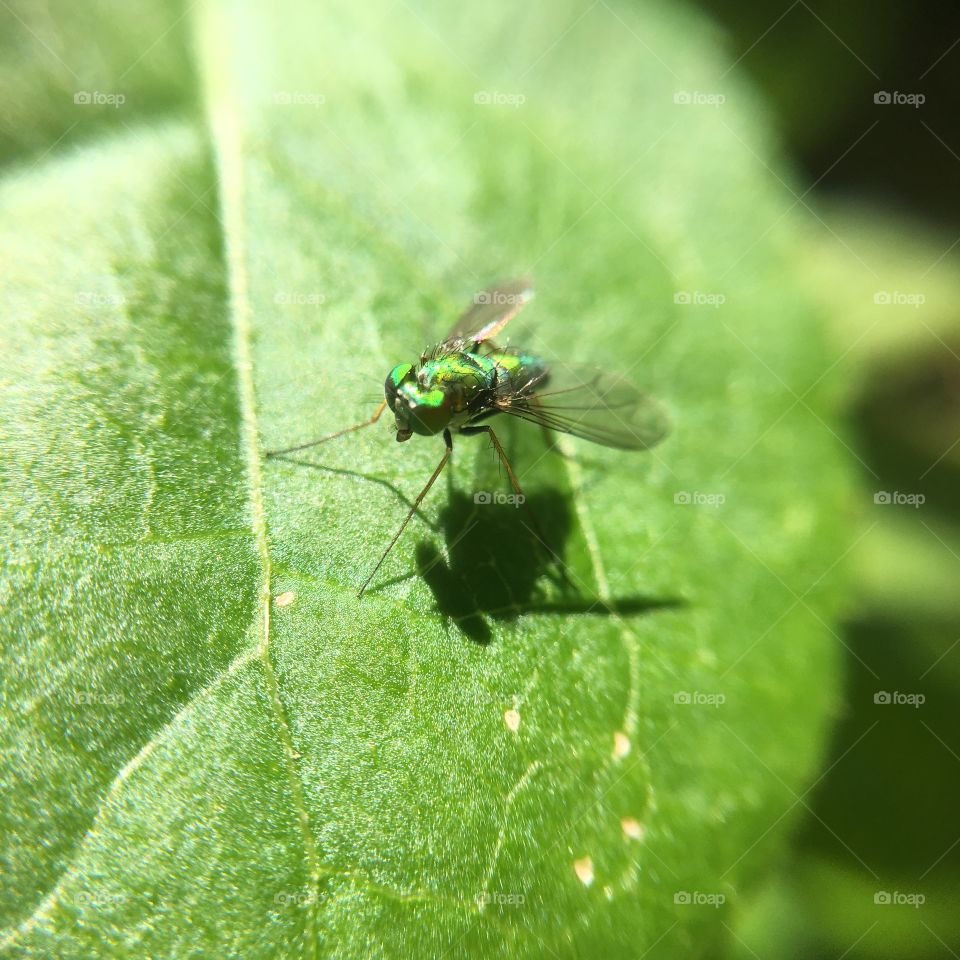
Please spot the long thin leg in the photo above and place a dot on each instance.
(514, 482)
(448, 440)
(332, 436)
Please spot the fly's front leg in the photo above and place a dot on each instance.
(448, 440)
(332, 436)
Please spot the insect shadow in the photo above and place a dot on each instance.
(342, 472)
(498, 567)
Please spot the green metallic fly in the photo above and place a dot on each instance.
(467, 379)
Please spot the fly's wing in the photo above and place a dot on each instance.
(491, 311)
(593, 404)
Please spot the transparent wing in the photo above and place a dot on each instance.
(491, 311)
(591, 403)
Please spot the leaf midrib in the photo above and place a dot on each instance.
(224, 132)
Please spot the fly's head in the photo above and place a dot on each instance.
(416, 409)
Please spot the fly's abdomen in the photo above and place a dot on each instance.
(519, 373)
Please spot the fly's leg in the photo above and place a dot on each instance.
(448, 440)
(514, 482)
(332, 436)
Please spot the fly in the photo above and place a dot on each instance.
(466, 380)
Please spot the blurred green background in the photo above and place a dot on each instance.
(883, 181)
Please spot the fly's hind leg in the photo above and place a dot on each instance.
(514, 482)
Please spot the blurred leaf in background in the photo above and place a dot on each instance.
(883, 185)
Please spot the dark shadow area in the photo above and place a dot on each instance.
(907, 421)
(896, 739)
(823, 89)
(499, 566)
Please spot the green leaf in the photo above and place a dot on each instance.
(211, 747)
(892, 284)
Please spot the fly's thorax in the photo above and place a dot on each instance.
(462, 376)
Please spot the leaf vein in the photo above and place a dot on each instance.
(49, 902)
(228, 142)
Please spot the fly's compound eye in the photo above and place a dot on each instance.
(429, 412)
(402, 373)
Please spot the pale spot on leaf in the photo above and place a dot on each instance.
(584, 870)
(632, 829)
(707, 657)
(512, 719)
(621, 745)
(285, 599)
